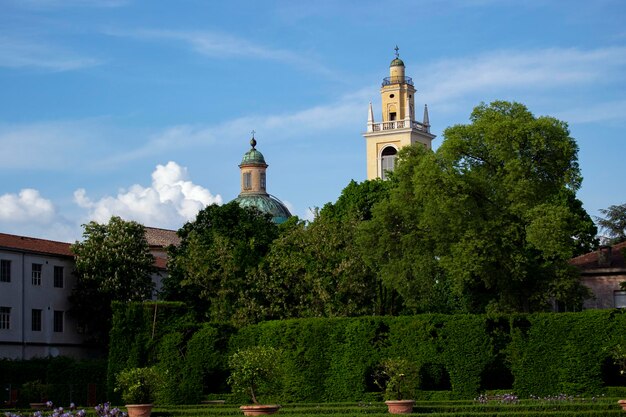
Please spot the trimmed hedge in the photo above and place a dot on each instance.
(332, 359)
(68, 380)
(136, 331)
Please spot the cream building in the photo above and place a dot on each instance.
(36, 281)
(398, 127)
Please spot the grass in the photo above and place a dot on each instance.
(604, 407)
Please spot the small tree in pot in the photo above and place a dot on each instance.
(138, 387)
(256, 370)
(397, 378)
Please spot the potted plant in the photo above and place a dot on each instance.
(138, 387)
(36, 394)
(255, 370)
(397, 377)
(619, 358)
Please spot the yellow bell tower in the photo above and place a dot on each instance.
(398, 127)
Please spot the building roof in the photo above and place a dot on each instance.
(253, 157)
(31, 244)
(161, 237)
(397, 62)
(265, 203)
(589, 261)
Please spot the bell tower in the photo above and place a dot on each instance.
(398, 127)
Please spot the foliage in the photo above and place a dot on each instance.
(112, 263)
(486, 223)
(613, 223)
(138, 385)
(547, 354)
(555, 353)
(35, 391)
(212, 268)
(397, 378)
(255, 370)
(64, 378)
(135, 334)
(619, 357)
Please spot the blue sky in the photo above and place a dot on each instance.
(144, 108)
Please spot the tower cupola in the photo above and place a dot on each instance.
(254, 186)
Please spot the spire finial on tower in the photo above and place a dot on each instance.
(426, 121)
(253, 140)
(397, 53)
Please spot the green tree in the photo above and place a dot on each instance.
(613, 224)
(315, 268)
(113, 263)
(490, 217)
(400, 248)
(212, 268)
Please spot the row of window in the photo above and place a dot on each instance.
(58, 275)
(36, 319)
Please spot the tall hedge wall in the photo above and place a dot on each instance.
(333, 359)
(67, 380)
(137, 329)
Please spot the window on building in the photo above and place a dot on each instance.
(5, 318)
(58, 277)
(247, 180)
(387, 161)
(392, 116)
(619, 297)
(263, 180)
(5, 270)
(35, 320)
(36, 274)
(58, 321)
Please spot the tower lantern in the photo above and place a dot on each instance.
(398, 127)
(253, 174)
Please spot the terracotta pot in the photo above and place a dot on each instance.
(622, 404)
(400, 406)
(258, 409)
(139, 410)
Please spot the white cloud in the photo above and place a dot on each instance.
(347, 112)
(171, 200)
(20, 53)
(27, 206)
(535, 70)
(223, 45)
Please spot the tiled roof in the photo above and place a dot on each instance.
(31, 244)
(161, 237)
(589, 260)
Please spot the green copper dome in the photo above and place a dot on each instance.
(265, 203)
(397, 62)
(253, 156)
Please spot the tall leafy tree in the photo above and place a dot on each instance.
(213, 266)
(113, 263)
(613, 223)
(490, 216)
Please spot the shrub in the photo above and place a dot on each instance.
(138, 385)
(397, 378)
(255, 370)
